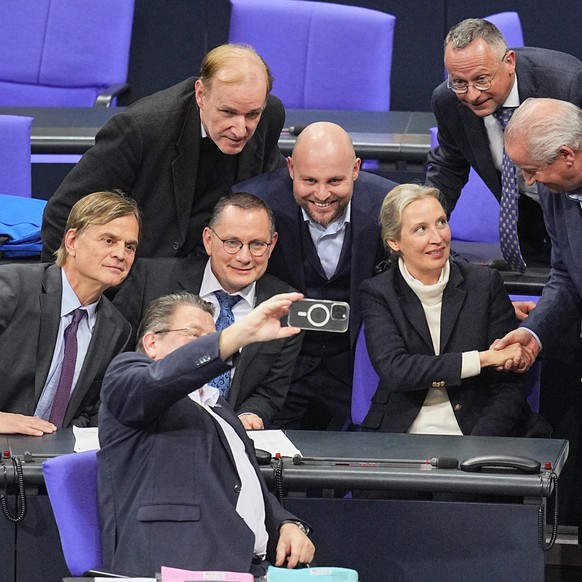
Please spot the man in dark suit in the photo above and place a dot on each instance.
(484, 76)
(179, 484)
(327, 213)
(544, 139)
(37, 302)
(178, 151)
(262, 375)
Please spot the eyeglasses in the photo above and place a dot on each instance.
(187, 331)
(483, 83)
(232, 246)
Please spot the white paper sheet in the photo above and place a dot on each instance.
(274, 441)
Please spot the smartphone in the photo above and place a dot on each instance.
(320, 315)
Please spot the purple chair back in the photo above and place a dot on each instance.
(365, 382)
(509, 24)
(15, 169)
(323, 56)
(533, 375)
(58, 53)
(71, 482)
(476, 215)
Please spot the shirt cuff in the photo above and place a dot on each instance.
(471, 365)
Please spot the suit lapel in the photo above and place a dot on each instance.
(573, 218)
(479, 140)
(412, 308)
(248, 353)
(101, 350)
(190, 275)
(50, 310)
(363, 254)
(453, 299)
(289, 253)
(250, 158)
(185, 166)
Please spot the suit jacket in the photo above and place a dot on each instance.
(561, 300)
(151, 150)
(168, 484)
(30, 304)
(475, 311)
(263, 370)
(367, 249)
(463, 141)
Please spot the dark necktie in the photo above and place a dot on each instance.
(61, 399)
(225, 318)
(508, 208)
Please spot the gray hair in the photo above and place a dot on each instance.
(394, 204)
(545, 125)
(244, 201)
(471, 29)
(160, 311)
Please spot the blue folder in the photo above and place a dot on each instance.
(20, 221)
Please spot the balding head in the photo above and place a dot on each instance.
(235, 63)
(325, 140)
(544, 139)
(323, 168)
(232, 93)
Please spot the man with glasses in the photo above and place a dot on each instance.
(484, 77)
(239, 240)
(178, 481)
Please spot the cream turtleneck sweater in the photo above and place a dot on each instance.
(436, 415)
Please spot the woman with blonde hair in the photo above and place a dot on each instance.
(429, 323)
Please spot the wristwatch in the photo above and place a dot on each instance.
(299, 524)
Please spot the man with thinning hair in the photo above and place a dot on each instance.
(239, 241)
(179, 484)
(487, 79)
(178, 151)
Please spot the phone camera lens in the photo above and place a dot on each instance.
(318, 315)
(338, 312)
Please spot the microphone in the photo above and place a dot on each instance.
(293, 129)
(498, 265)
(438, 462)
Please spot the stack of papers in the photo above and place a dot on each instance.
(177, 575)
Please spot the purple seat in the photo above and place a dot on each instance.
(476, 215)
(15, 155)
(323, 56)
(71, 482)
(365, 382)
(509, 24)
(57, 53)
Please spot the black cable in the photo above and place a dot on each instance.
(21, 495)
(541, 521)
(278, 478)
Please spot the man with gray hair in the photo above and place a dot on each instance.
(486, 82)
(544, 140)
(179, 484)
